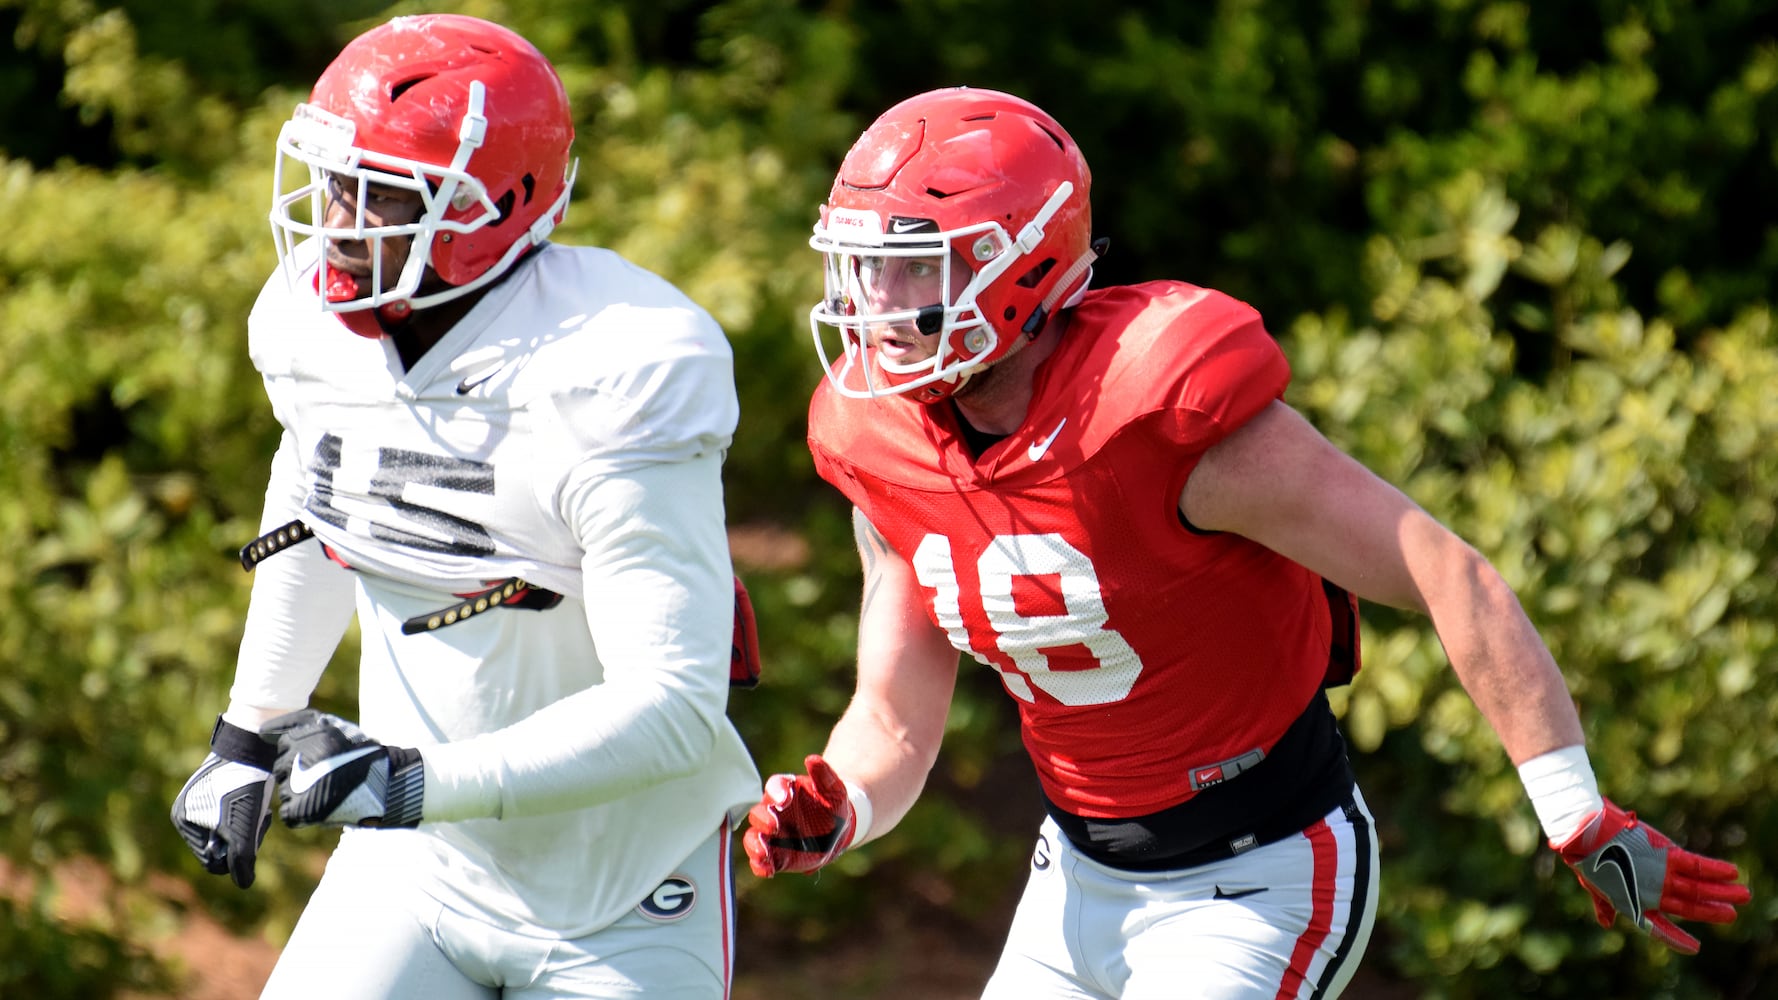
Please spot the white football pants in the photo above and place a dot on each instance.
(1287, 920)
(366, 934)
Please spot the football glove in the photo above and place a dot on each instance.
(1631, 868)
(743, 661)
(225, 807)
(801, 823)
(331, 774)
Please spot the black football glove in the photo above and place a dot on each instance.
(225, 807)
(331, 774)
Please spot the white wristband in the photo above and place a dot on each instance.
(1562, 789)
(861, 812)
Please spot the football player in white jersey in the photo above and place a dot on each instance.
(504, 456)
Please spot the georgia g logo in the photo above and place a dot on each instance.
(672, 900)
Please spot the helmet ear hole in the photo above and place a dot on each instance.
(1035, 276)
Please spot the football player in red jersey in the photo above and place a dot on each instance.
(1101, 495)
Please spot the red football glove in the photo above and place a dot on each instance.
(743, 659)
(1631, 868)
(802, 822)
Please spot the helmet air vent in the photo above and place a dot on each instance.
(396, 92)
(503, 206)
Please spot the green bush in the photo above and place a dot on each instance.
(1515, 253)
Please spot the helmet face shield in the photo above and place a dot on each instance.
(991, 185)
(326, 166)
(435, 145)
(901, 302)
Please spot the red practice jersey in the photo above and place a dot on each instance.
(1148, 660)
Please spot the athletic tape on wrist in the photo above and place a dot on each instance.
(861, 812)
(1563, 790)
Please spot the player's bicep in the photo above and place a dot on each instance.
(1279, 482)
(287, 486)
(890, 734)
(655, 568)
(907, 667)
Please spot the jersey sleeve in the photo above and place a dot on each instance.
(1222, 373)
(660, 606)
(300, 606)
(646, 432)
(663, 392)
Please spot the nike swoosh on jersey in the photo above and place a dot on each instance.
(471, 381)
(304, 778)
(1238, 893)
(1036, 451)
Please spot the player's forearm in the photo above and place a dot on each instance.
(1502, 661)
(656, 718)
(590, 748)
(889, 737)
(886, 760)
(890, 734)
(299, 609)
(659, 604)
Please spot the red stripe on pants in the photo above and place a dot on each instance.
(723, 881)
(1327, 867)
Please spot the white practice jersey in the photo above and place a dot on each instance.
(569, 431)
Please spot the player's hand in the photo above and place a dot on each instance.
(225, 807)
(1629, 867)
(801, 823)
(330, 773)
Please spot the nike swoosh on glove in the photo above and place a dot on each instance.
(330, 773)
(802, 822)
(1631, 868)
(225, 807)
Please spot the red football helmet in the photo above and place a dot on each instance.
(994, 195)
(465, 113)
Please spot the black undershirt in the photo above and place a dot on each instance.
(977, 441)
(1304, 777)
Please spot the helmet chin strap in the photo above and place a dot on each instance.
(948, 387)
(1039, 317)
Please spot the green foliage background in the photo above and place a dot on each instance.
(1521, 256)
